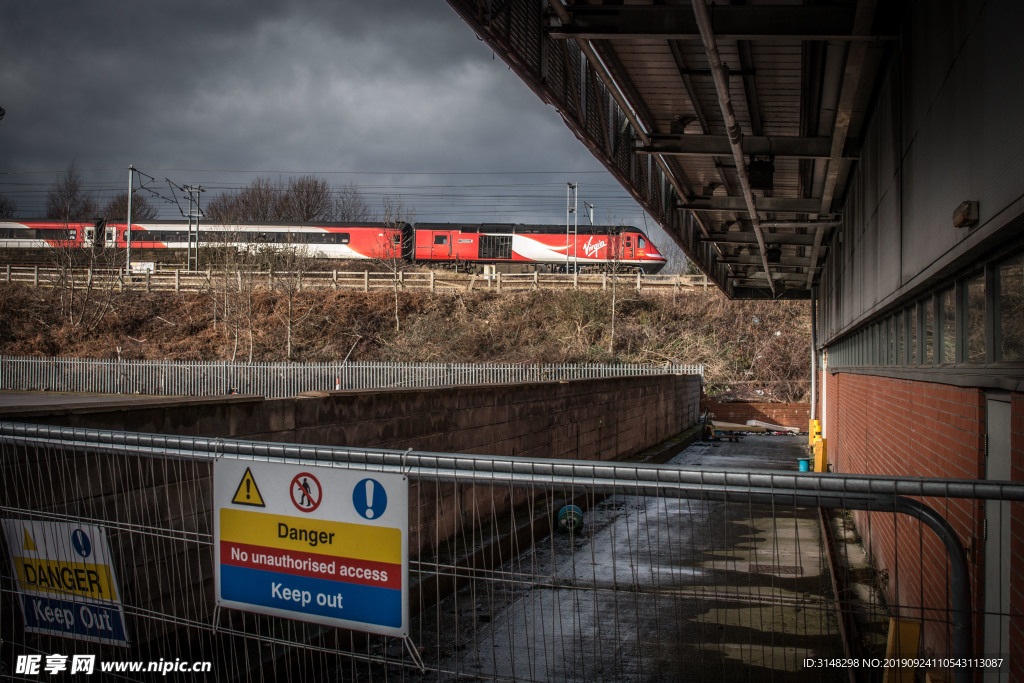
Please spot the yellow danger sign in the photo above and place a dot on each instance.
(248, 493)
(27, 544)
(74, 578)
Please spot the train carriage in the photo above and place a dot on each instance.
(45, 234)
(506, 246)
(550, 247)
(324, 240)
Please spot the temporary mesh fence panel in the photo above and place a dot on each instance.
(657, 573)
(277, 380)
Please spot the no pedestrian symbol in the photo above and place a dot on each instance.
(306, 492)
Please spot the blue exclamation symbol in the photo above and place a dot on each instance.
(369, 499)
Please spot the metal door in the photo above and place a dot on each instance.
(997, 538)
(441, 247)
(628, 248)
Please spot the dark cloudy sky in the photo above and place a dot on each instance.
(398, 97)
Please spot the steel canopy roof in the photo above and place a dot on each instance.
(736, 126)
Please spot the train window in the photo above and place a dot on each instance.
(396, 238)
(641, 243)
(59, 234)
(343, 238)
(440, 239)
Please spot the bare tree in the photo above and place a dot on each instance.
(351, 206)
(233, 290)
(290, 263)
(614, 267)
(391, 246)
(117, 208)
(84, 284)
(304, 200)
(67, 201)
(83, 296)
(8, 207)
(222, 209)
(258, 202)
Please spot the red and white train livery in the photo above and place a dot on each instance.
(463, 246)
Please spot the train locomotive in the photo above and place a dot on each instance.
(506, 247)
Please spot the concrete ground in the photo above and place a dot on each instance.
(653, 589)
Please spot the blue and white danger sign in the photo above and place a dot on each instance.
(66, 580)
(319, 544)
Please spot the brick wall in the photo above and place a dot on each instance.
(591, 419)
(1017, 533)
(595, 419)
(784, 414)
(897, 427)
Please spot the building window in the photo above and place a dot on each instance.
(928, 330)
(1010, 301)
(947, 343)
(900, 339)
(974, 320)
(912, 336)
(879, 346)
(894, 341)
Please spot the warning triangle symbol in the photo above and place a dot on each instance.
(28, 544)
(247, 492)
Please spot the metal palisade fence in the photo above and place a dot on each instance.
(520, 569)
(277, 380)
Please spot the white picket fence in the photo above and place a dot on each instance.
(276, 380)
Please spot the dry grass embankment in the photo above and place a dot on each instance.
(751, 349)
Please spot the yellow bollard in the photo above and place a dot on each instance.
(813, 432)
(904, 637)
(820, 455)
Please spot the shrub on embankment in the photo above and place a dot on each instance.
(750, 349)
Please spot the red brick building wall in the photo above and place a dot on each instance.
(783, 414)
(878, 425)
(1017, 532)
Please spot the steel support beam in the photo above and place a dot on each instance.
(718, 146)
(732, 22)
(773, 204)
(707, 35)
(748, 238)
(855, 58)
(801, 224)
(819, 235)
(784, 261)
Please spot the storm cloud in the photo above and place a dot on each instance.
(397, 97)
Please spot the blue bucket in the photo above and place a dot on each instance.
(570, 518)
(805, 464)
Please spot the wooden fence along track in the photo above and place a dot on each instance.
(176, 280)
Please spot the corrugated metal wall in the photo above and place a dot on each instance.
(944, 129)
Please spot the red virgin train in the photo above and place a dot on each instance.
(507, 246)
